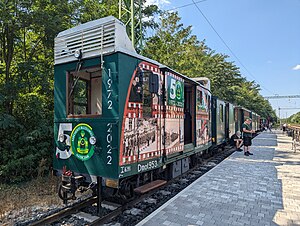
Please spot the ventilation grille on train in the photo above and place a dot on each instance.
(94, 38)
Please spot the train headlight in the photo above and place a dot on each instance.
(92, 140)
(78, 53)
(61, 138)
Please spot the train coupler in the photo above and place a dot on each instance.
(68, 186)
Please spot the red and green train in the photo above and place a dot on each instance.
(126, 118)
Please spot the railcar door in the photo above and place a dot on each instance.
(173, 116)
(221, 122)
(188, 114)
(229, 120)
(218, 121)
(238, 114)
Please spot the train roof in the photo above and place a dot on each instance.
(225, 101)
(247, 110)
(191, 80)
(101, 37)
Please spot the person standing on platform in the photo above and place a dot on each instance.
(270, 126)
(247, 136)
(284, 127)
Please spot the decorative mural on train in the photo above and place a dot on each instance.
(80, 142)
(141, 139)
(203, 116)
(174, 119)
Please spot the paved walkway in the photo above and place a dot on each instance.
(263, 189)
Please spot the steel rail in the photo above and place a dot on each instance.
(64, 212)
(119, 210)
(127, 205)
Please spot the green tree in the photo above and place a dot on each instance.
(27, 32)
(173, 44)
(294, 119)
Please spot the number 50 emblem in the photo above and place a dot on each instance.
(83, 142)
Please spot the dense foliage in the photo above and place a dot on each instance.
(27, 31)
(294, 119)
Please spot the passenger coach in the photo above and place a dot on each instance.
(122, 120)
(121, 116)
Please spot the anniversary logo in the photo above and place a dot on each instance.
(175, 92)
(83, 142)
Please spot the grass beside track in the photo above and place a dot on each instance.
(19, 201)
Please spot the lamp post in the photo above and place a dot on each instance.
(279, 116)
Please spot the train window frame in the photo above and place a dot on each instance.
(221, 106)
(201, 97)
(93, 104)
(147, 97)
(153, 83)
(209, 106)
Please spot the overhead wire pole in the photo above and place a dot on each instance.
(282, 97)
(279, 108)
(130, 13)
(288, 108)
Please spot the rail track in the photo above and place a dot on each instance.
(65, 212)
(170, 189)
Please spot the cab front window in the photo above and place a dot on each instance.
(84, 92)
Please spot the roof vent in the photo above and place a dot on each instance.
(93, 38)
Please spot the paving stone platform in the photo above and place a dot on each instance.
(263, 189)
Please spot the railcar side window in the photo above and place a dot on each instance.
(147, 97)
(201, 98)
(221, 112)
(136, 93)
(209, 107)
(84, 92)
(80, 97)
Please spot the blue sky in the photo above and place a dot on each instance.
(263, 34)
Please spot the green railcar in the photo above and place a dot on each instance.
(119, 115)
